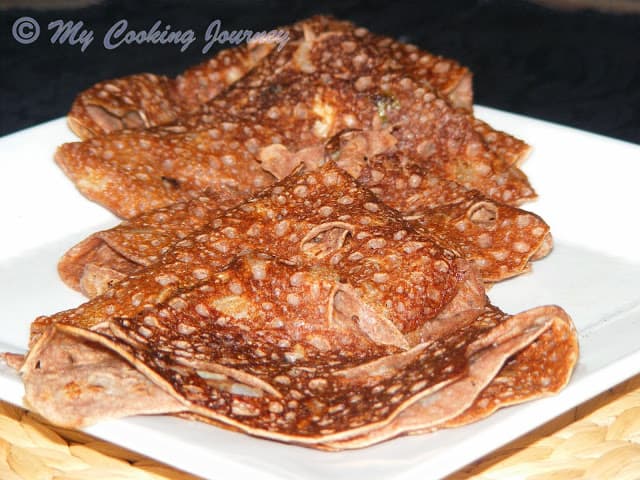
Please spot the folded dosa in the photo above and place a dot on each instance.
(331, 77)
(499, 239)
(147, 100)
(286, 320)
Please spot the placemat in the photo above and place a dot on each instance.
(599, 439)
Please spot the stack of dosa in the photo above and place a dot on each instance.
(309, 234)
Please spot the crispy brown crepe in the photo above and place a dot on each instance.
(327, 210)
(130, 174)
(331, 77)
(499, 239)
(531, 355)
(146, 100)
(285, 318)
(106, 257)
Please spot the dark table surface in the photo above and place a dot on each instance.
(580, 68)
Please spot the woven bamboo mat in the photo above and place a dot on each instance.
(597, 440)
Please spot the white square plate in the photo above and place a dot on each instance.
(588, 194)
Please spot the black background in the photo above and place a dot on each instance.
(580, 68)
